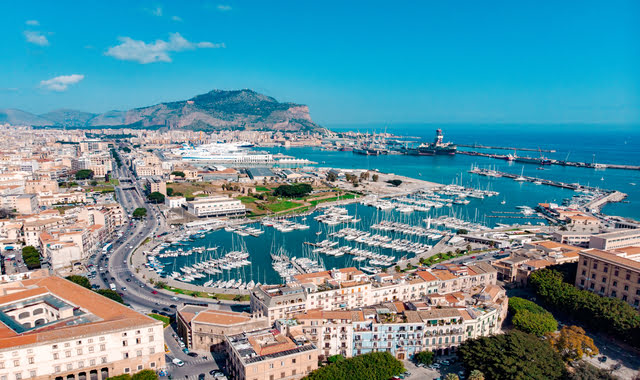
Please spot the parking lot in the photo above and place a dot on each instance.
(437, 370)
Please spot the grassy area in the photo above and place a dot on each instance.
(188, 188)
(114, 181)
(247, 199)
(448, 256)
(282, 205)
(315, 202)
(262, 189)
(165, 320)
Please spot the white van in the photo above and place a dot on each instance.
(178, 362)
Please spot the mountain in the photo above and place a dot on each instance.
(66, 117)
(217, 109)
(18, 117)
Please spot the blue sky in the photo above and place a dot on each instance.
(351, 62)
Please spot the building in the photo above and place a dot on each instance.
(268, 354)
(614, 273)
(615, 239)
(575, 238)
(155, 185)
(55, 329)
(175, 202)
(261, 174)
(216, 206)
(204, 329)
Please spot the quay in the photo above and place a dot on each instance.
(478, 146)
(575, 164)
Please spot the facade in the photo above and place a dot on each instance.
(615, 239)
(55, 329)
(216, 206)
(204, 329)
(614, 273)
(269, 354)
(155, 185)
(175, 202)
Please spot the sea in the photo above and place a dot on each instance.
(607, 144)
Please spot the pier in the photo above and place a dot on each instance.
(540, 161)
(478, 146)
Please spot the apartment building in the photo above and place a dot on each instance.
(268, 354)
(55, 329)
(349, 288)
(216, 206)
(614, 273)
(204, 329)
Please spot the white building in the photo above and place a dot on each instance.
(216, 206)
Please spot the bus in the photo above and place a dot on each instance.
(112, 286)
(106, 248)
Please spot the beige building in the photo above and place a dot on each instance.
(614, 273)
(204, 329)
(615, 239)
(55, 329)
(269, 355)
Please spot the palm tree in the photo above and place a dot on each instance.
(476, 375)
(451, 376)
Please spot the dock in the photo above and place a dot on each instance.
(479, 146)
(540, 161)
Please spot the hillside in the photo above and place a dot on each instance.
(217, 109)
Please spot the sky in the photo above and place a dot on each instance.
(351, 62)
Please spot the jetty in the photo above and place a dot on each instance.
(479, 146)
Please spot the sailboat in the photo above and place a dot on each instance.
(521, 178)
(504, 201)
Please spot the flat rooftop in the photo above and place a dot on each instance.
(266, 344)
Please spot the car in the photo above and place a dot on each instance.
(192, 354)
(166, 309)
(154, 292)
(602, 359)
(177, 362)
(201, 376)
(154, 311)
(172, 306)
(174, 298)
(124, 288)
(128, 280)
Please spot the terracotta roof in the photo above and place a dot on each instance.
(610, 257)
(426, 276)
(443, 275)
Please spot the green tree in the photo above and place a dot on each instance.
(139, 213)
(84, 174)
(31, 257)
(451, 376)
(371, 366)
(581, 370)
(156, 197)
(476, 375)
(335, 358)
(178, 173)
(293, 191)
(424, 357)
(169, 191)
(395, 182)
(125, 376)
(512, 356)
(110, 294)
(145, 374)
(462, 231)
(534, 323)
(160, 284)
(80, 280)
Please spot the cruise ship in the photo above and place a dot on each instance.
(222, 153)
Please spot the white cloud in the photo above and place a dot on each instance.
(224, 7)
(157, 11)
(62, 82)
(35, 37)
(157, 51)
(176, 18)
(32, 22)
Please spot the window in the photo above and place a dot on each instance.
(124, 343)
(138, 340)
(16, 363)
(626, 287)
(67, 354)
(152, 351)
(127, 370)
(584, 272)
(293, 360)
(18, 376)
(91, 349)
(604, 279)
(69, 367)
(56, 356)
(615, 283)
(613, 294)
(150, 338)
(282, 375)
(80, 364)
(139, 353)
(31, 360)
(152, 364)
(282, 363)
(79, 351)
(125, 355)
(140, 367)
(102, 347)
(270, 365)
(57, 368)
(92, 362)
(103, 359)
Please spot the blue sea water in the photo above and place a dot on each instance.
(609, 144)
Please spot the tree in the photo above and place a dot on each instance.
(476, 375)
(6, 213)
(139, 213)
(94, 183)
(178, 173)
(572, 343)
(335, 358)
(293, 191)
(462, 231)
(31, 257)
(80, 280)
(451, 376)
(534, 323)
(125, 376)
(424, 357)
(371, 366)
(160, 284)
(169, 191)
(145, 374)
(515, 355)
(374, 178)
(110, 294)
(84, 174)
(530, 317)
(156, 197)
(610, 315)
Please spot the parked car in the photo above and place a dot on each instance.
(177, 362)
